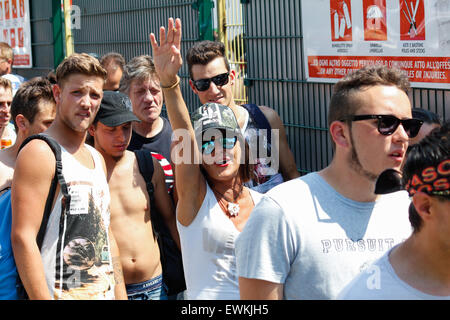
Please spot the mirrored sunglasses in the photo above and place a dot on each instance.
(227, 143)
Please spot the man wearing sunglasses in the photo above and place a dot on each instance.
(212, 80)
(312, 235)
(419, 267)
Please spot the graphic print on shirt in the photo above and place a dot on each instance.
(167, 167)
(258, 142)
(83, 263)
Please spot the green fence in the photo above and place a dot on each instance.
(273, 42)
(276, 78)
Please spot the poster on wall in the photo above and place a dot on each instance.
(15, 30)
(344, 35)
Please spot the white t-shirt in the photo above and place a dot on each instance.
(75, 242)
(207, 245)
(380, 282)
(313, 240)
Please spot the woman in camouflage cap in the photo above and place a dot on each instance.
(212, 163)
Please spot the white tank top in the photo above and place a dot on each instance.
(75, 251)
(209, 259)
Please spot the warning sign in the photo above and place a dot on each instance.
(375, 28)
(344, 35)
(341, 20)
(429, 70)
(412, 20)
(15, 30)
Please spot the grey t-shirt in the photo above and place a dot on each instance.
(380, 282)
(313, 240)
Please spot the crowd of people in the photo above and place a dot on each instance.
(78, 214)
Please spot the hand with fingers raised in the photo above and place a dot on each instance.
(167, 55)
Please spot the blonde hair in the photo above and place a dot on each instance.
(6, 52)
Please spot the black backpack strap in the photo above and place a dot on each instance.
(170, 255)
(58, 178)
(146, 168)
(260, 119)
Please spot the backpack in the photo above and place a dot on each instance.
(58, 178)
(260, 119)
(171, 260)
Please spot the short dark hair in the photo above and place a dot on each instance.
(204, 52)
(426, 115)
(28, 96)
(429, 152)
(113, 58)
(345, 101)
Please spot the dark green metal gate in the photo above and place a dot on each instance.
(273, 43)
(276, 78)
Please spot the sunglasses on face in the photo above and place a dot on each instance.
(227, 143)
(219, 80)
(387, 124)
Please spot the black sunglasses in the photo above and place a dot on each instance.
(387, 124)
(219, 80)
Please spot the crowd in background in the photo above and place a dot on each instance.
(217, 209)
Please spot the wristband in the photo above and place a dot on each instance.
(173, 85)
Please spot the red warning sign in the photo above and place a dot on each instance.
(21, 37)
(341, 20)
(7, 17)
(12, 34)
(375, 27)
(22, 8)
(418, 69)
(14, 8)
(412, 20)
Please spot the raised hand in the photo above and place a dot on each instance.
(167, 55)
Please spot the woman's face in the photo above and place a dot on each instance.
(222, 157)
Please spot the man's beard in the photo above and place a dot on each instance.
(356, 165)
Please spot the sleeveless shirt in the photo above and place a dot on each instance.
(76, 249)
(208, 252)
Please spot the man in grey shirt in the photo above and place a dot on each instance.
(419, 267)
(313, 235)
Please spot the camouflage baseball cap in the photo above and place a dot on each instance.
(216, 116)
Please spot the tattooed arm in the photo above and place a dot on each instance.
(119, 289)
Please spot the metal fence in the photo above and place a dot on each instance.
(273, 51)
(124, 27)
(276, 78)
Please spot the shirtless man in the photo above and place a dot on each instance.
(130, 219)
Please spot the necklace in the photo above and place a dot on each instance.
(232, 207)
